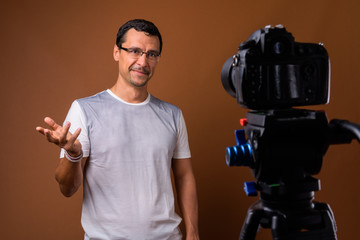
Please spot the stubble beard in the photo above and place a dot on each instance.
(137, 84)
(142, 82)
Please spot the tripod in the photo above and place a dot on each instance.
(291, 217)
(284, 149)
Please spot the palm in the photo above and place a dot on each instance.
(61, 136)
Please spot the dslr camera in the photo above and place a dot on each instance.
(272, 71)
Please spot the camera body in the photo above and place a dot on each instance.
(272, 71)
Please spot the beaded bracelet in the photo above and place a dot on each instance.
(74, 159)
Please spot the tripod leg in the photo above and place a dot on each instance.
(318, 224)
(279, 227)
(252, 221)
(329, 220)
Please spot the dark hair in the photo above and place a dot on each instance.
(140, 25)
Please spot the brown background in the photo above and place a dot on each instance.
(53, 52)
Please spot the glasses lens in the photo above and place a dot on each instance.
(135, 53)
(152, 55)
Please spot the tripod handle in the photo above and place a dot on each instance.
(343, 131)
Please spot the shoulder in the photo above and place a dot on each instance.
(164, 106)
(96, 98)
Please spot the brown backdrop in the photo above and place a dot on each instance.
(53, 52)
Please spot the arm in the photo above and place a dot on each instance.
(68, 174)
(187, 197)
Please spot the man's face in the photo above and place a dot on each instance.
(136, 71)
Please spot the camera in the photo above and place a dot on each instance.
(272, 71)
(283, 146)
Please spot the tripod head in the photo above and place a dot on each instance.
(285, 146)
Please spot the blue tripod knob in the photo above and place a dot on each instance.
(239, 155)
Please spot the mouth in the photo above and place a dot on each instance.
(139, 70)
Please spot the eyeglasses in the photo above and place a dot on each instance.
(136, 53)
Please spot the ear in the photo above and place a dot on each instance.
(116, 53)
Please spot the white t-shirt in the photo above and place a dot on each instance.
(127, 179)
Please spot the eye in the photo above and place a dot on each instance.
(134, 51)
(153, 54)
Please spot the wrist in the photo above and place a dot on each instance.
(73, 157)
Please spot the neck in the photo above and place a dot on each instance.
(130, 94)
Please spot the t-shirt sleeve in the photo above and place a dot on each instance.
(182, 149)
(77, 119)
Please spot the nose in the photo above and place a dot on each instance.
(142, 60)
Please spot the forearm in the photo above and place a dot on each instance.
(188, 203)
(69, 175)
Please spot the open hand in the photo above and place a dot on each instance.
(61, 136)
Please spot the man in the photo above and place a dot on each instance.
(122, 144)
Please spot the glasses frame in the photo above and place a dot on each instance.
(141, 52)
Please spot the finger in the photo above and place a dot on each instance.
(75, 135)
(40, 130)
(49, 121)
(72, 143)
(47, 133)
(49, 136)
(64, 133)
(71, 140)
